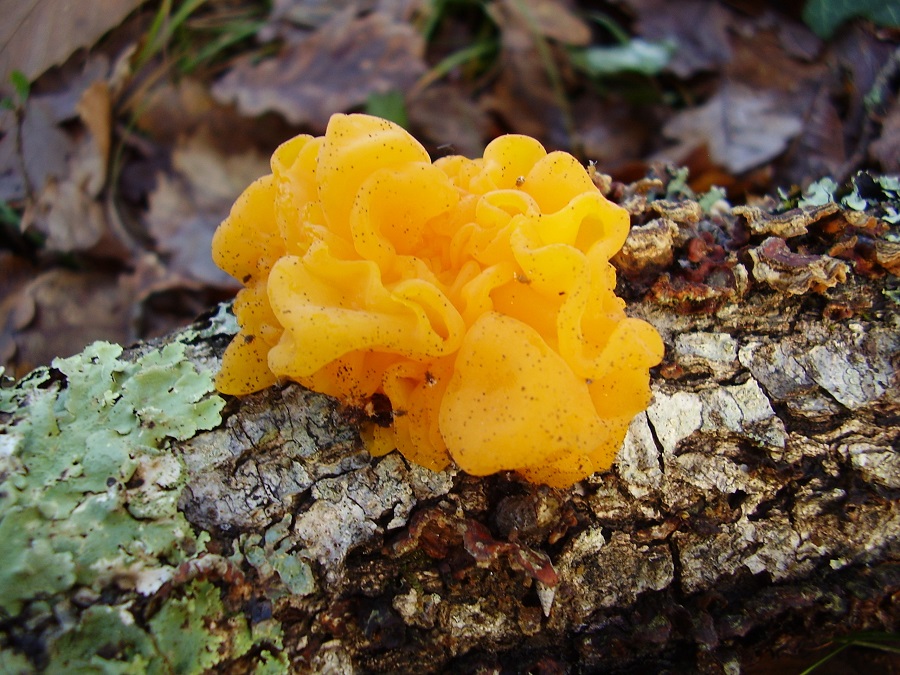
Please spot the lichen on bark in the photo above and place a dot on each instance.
(753, 505)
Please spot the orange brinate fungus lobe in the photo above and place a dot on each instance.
(477, 295)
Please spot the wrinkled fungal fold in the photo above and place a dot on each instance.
(477, 295)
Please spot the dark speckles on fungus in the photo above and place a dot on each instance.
(460, 290)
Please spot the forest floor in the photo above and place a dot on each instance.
(129, 127)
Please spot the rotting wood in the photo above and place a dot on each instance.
(754, 504)
(753, 507)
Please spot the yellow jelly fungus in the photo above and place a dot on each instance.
(477, 295)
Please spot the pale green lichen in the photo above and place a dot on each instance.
(825, 190)
(271, 555)
(68, 500)
(88, 504)
(178, 639)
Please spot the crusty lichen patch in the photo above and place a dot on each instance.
(89, 521)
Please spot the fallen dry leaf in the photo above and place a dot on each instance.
(819, 149)
(95, 110)
(39, 146)
(697, 28)
(66, 209)
(552, 19)
(163, 299)
(887, 148)
(862, 57)
(612, 132)
(33, 153)
(306, 12)
(187, 206)
(741, 127)
(38, 34)
(14, 314)
(334, 69)
(174, 111)
(523, 94)
(60, 312)
(760, 60)
(450, 119)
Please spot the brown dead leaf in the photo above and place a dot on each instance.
(741, 127)
(14, 314)
(760, 60)
(307, 12)
(552, 19)
(38, 34)
(447, 116)
(819, 149)
(334, 69)
(187, 207)
(67, 209)
(33, 153)
(612, 132)
(523, 94)
(862, 55)
(163, 299)
(39, 147)
(174, 111)
(887, 148)
(697, 28)
(60, 312)
(797, 39)
(95, 110)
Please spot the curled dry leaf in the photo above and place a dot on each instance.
(698, 29)
(523, 94)
(741, 127)
(60, 312)
(35, 149)
(34, 153)
(335, 69)
(38, 34)
(67, 209)
(187, 207)
(552, 19)
(173, 111)
(95, 110)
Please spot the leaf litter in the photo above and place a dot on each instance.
(133, 135)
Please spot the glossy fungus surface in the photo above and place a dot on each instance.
(477, 295)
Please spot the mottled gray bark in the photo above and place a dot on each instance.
(755, 501)
(753, 507)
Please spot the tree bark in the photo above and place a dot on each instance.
(752, 509)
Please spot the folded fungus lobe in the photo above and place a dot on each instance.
(477, 295)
